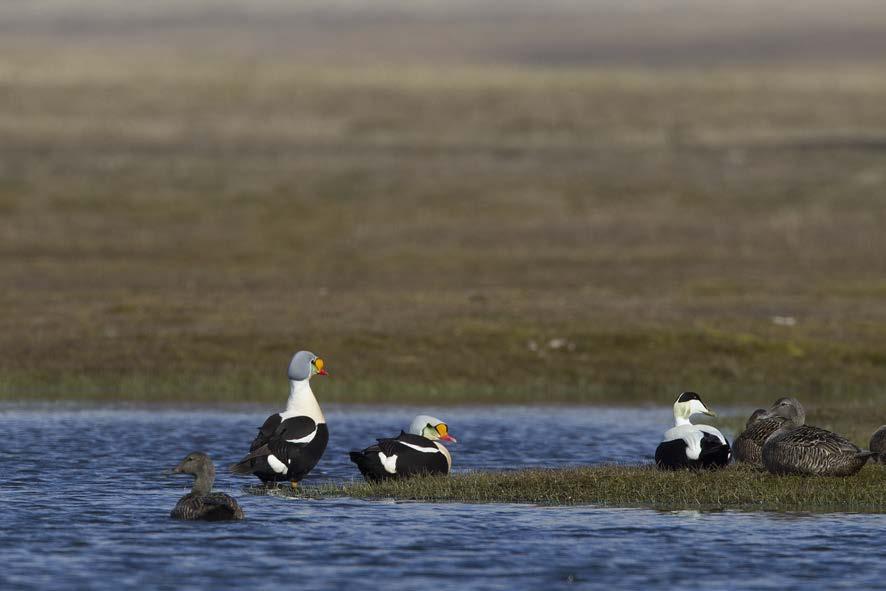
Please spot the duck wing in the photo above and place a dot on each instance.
(761, 429)
(266, 431)
(808, 436)
(404, 442)
(219, 506)
(284, 443)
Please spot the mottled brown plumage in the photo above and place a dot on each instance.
(878, 445)
(201, 503)
(748, 446)
(812, 451)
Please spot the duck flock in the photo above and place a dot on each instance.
(290, 443)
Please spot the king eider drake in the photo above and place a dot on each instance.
(748, 446)
(201, 502)
(290, 443)
(417, 452)
(691, 446)
(812, 451)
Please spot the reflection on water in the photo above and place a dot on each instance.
(85, 504)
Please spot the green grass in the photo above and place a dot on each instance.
(735, 487)
(175, 224)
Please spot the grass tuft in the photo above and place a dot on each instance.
(736, 487)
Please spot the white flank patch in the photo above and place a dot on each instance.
(307, 438)
(427, 450)
(276, 465)
(389, 463)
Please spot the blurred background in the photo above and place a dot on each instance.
(580, 201)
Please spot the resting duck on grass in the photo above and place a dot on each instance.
(812, 451)
(878, 444)
(748, 446)
(417, 452)
(201, 502)
(691, 446)
(290, 443)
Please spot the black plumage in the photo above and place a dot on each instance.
(672, 455)
(284, 449)
(201, 503)
(398, 457)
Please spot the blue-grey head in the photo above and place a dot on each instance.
(305, 365)
(432, 428)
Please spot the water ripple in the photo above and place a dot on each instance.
(86, 497)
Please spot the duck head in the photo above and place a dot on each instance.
(431, 428)
(688, 404)
(201, 467)
(305, 365)
(788, 408)
(756, 416)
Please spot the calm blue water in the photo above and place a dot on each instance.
(85, 505)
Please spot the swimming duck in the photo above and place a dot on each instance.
(748, 446)
(878, 444)
(290, 443)
(811, 451)
(417, 451)
(201, 502)
(691, 446)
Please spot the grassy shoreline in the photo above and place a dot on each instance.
(737, 488)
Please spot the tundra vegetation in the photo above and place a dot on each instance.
(476, 222)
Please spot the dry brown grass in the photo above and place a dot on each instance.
(175, 224)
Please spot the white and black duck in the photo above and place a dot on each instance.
(691, 446)
(812, 451)
(417, 451)
(290, 443)
(201, 502)
(748, 446)
(878, 444)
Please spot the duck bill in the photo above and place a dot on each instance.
(322, 372)
(709, 412)
(448, 438)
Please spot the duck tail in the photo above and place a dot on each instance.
(868, 455)
(247, 464)
(243, 468)
(357, 457)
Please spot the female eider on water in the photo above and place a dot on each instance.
(748, 446)
(878, 444)
(812, 451)
(289, 444)
(201, 502)
(691, 446)
(417, 452)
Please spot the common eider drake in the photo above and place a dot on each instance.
(418, 451)
(691, 446)
(748, 446)
(878, 444)
(201, 502)
(812, 451)
(290, 443)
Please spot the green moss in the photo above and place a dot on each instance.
(735, 487)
